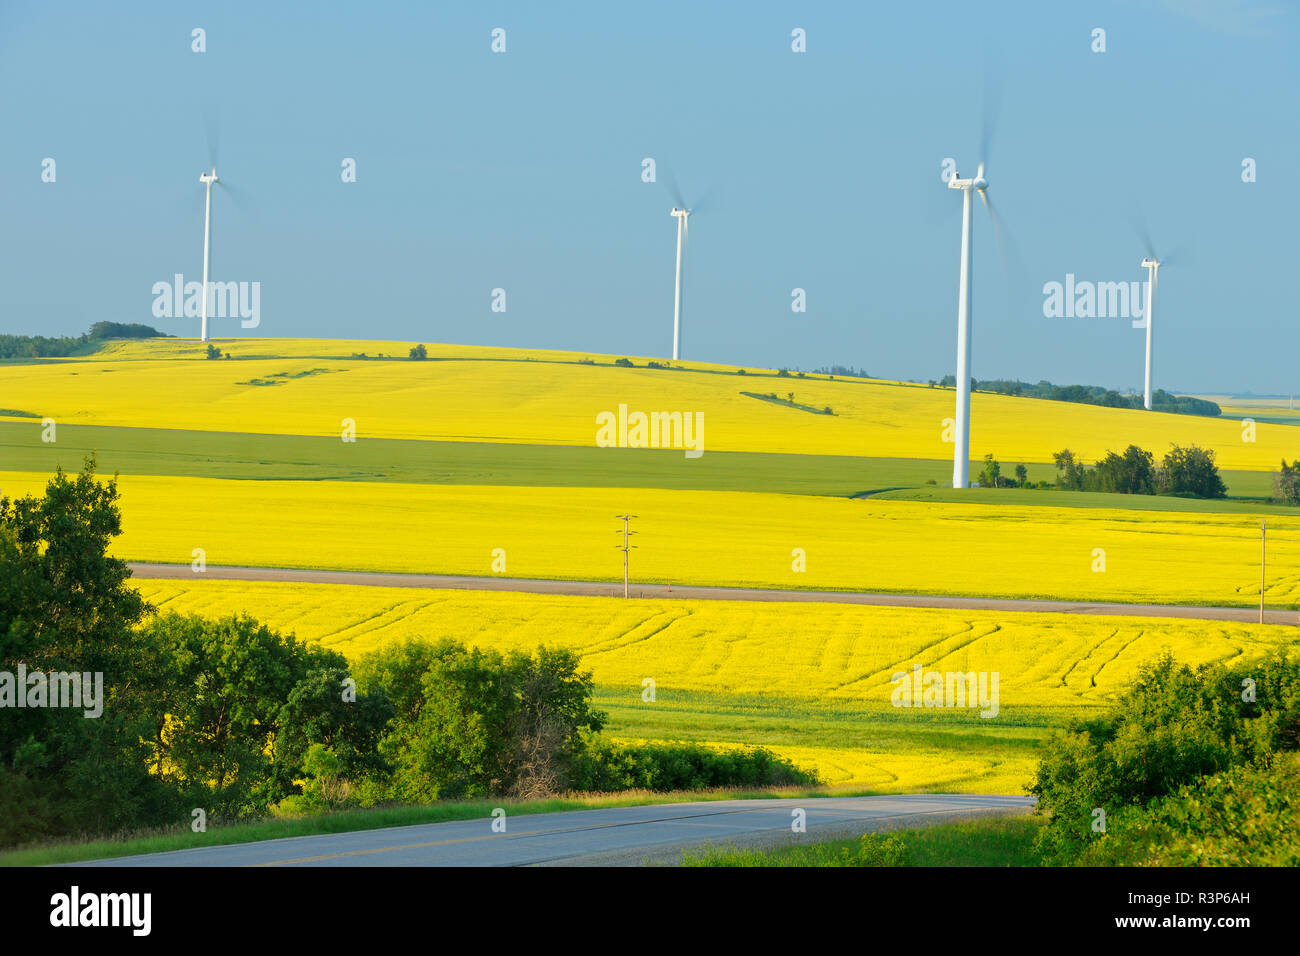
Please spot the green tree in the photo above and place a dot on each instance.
(230, 680)
(325, 708)
(991, 476)
(65, 606)
(1071, 471)
(419, 352)
(1132, 473)
(549, 731)
(1022, 476)
(470, 722)
(1286, 483)
(1191, 471)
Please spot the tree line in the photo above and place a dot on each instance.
(61, 346)
(1161, 401)
(1184, 472)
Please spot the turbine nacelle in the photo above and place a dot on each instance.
(209, 177)
(679, 212)
(1150, 263)
(979, 182)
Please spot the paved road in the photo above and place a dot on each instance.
(617, 835)
(597, 588)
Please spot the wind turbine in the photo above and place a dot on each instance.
(681, 214)
(1152, 265)
(208, 179)
(961, 449)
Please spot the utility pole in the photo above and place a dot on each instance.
(1263, 555)
(627, 546)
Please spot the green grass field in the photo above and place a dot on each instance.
(993, 841)
(248, 456)
(260, 457)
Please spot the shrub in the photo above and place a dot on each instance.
(324, 786)
(213, 351)
(624, 363)
(1246, 816)
(610, 767)
(1172, 727)
(874, 849)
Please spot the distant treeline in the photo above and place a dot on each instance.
(1161, 401)
(845, 371)
(41, 346)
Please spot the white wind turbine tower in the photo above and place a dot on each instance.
(1152, 265)
(961, 441)
(208, 179)
(681, 214)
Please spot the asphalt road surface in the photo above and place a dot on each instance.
(598, 588)
(612, 836)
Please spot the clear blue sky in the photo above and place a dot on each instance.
(522, 171)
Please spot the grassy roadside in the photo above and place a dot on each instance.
(182, 838)
(991, 841)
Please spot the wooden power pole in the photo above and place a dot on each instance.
(627, 547)
(1263, 559)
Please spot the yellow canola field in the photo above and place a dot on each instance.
(818, 651)
(777, 653)
(504, 395)
(707, 537)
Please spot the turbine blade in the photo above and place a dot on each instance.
(990, 110)
(1013, 269)
(670, 183)
(997, 224)
(706, 199)
(1139, 223)
(238, 198)
(212, 130)
(241, 200)
(1177, 257)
